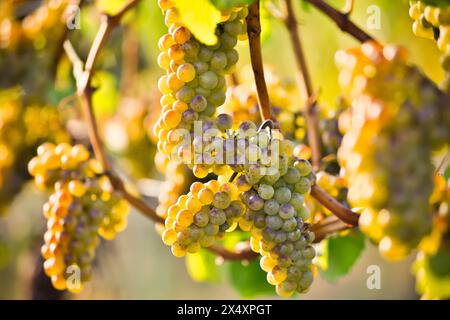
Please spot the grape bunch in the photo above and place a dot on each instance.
(194, 84)
(432, 265)
(276, 220)
(202, 216)
(82, 207)
(432, 21)
(386, 150)
(273, 184)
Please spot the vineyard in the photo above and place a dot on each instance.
(224, 149)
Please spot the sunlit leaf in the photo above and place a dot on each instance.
(110, 6)
(249, 280)
(447, 173)
(339, 254)
(266, 24)
(105, 98)
(201, 18)
(201, 266)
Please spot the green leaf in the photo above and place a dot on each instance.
(201, 267)
(266, 24)
(249, 280)
(447, 173)
(105, 98)
(226, 4)
(201, 18)
(339, 254)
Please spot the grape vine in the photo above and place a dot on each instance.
(252, 168)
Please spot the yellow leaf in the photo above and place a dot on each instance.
(201, 18)
(111, 6)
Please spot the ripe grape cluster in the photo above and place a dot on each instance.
(194, 85)
(82, 206)
(432, 265)
(276, 219)
(433, 22)
(386, 150)
(202, 216)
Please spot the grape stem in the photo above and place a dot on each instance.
(342, 20)
(327, 226)
(254, 40)
(305, 86)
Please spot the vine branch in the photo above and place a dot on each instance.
(254, 29)
(305, 85)
(254, 40)
(337, 208)
(342, 20)
(83, 75)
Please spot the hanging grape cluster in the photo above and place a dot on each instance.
(82, 207)
(276, 220)
(194, 84)
(432, 21)
(386, 149)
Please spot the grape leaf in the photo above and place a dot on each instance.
(340, 254)
(249, 280)
(105, 98)
(266, 24)
(201, 267)
(110, 6)
(201, 18)
(447, 173)
(226, 4)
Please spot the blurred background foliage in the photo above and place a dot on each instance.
(137, 265)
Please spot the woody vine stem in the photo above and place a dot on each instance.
(343, 217)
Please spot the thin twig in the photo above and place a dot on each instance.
(83, 76)
(244, 254)
(328, 226)
(254, 40)
(348, 7)
(305, 86)
(342, 20)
